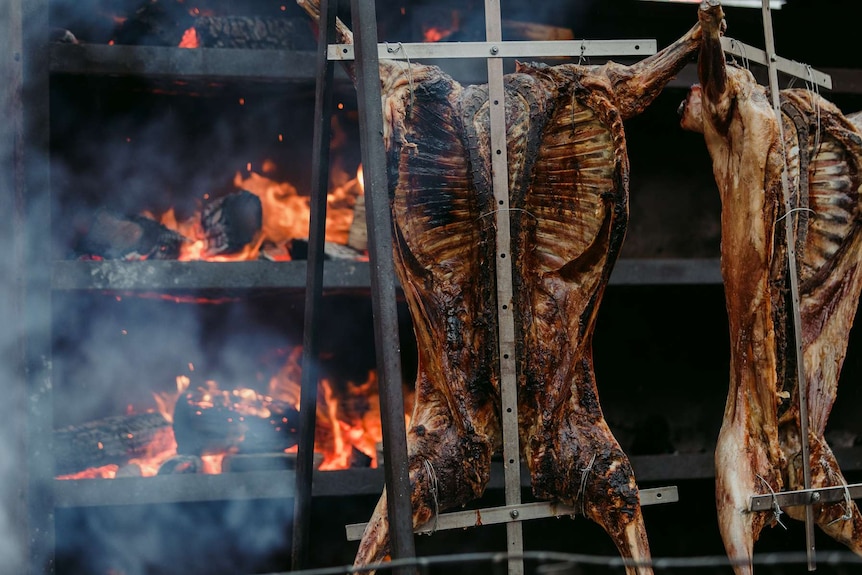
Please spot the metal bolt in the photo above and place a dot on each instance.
(514, 513)
(494, 50)
(815, 496)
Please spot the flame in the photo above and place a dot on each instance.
(190, 39)
(348, 421)
(162, 448)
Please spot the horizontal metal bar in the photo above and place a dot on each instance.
(773, 4)
(508, 513)
(802, 497)
(337, 274)
(517, 49)
(790, 67)
(184, 64)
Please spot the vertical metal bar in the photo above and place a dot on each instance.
(313, 288)
(14, 407)
(384, 307)
(506, 319)
(35, 206)
(794, 288)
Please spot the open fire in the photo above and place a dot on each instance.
(260, 219)
(202, 428)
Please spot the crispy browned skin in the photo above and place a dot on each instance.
(568, 187)
(758, 447)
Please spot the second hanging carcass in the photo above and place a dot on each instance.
(760, 444)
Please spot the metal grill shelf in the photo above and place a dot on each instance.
(347, 483)
(338, 274)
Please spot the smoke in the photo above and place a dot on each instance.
(68, 357)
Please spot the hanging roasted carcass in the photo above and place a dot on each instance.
(568, 177)
(759, 446)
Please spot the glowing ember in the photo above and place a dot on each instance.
(190, 39)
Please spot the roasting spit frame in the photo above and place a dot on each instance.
(806, 497)
(494, 50)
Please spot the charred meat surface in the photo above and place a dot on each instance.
(759, 445)
(568, 178)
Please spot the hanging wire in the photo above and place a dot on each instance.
(795, 210)
(776, 509)
(741, 47)
(585, 474)
(432, 478)
(408, 69)
(848, 506)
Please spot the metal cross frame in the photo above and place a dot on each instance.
(807, 496)
(494, 50)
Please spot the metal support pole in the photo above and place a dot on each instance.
(313, 288)
(386, 340)
(790, 237)
(505, 295)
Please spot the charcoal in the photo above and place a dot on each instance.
(182, 465)
(154, 23)
(113, 440)
(219, 426)
(118, 237)
(254, 32)
(231, 222)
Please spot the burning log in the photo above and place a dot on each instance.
(164, 23)
(182, 465)
(154, 23)
(114, 440)
(223, 422)
(116, 237)
(253, 32)
(232, 222)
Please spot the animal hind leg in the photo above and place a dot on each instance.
(574, 458)
(842, 520)
(449, 466)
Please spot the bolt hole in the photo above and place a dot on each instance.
(658, 495)
(505, 356)
(509, 410)
(501, 202)
(503, 256)
(505, 306)
(496, 102)
(344, 50)
(511, 461)
(637, 46)
(499, 152)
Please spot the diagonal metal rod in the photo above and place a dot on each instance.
(384, 307)
(313, 289)
(790, 236)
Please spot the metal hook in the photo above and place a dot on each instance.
(776, 509)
